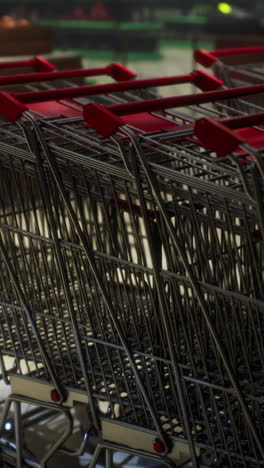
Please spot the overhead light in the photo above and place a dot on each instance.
(224, 8)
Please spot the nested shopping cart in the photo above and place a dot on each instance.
(45, 77)
(38, 64)
(118, 92)
(42, 78)
(107, 94)
(144, 89)
(235, 66)
(22, 67)
(132, 272)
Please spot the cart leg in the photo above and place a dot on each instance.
(96, 455)
(108, 458)
(18, 433)
(66, 434)
(3, 371)
(17, 401)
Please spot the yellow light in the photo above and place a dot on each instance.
(224, 8)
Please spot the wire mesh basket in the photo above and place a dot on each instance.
(132, 265)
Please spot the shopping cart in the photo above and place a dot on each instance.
(131, 273)
(145, 89)
(35, 64)
(39, 64)
(108, 93)
(44, 79)
(204, 81)
(235, 66)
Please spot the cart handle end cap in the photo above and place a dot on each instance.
(101, 119)
(159, 446)
(10, 107)
(43, 65)
(217, 136)
(205, 58)
(120, 73)
(55, 396)
(207, 82)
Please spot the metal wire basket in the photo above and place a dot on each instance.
(132, 271)
(236, 67)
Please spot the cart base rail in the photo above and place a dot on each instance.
(116, 434)
(141, 440)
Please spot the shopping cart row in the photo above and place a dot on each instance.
(131, 253)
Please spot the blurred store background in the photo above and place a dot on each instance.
(146, 35)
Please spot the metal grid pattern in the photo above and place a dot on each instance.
(139, 260)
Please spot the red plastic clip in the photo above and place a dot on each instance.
(158, 446)
(43, 65)
(205, 58)
(10, 107)
(217, 136)
(101, 119)
(121, 73)
(55, 396)
(207, 82)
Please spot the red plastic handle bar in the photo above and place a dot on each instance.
(13, 105)
(106, 120)
(115, 70)
(39, 63)
(243, 121)
(184, 100)
(208, 58)
(201, 79)
(219, 135)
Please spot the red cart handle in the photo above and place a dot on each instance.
(208, 58)
(106, 120)
(115, 70)
(219, 135)
(12, 105)
(201, 79)
(243, 121)
(39, 63)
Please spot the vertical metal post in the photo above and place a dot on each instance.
(96, 455)
(108, 458)
(18, 433)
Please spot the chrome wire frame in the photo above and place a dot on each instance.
(242, 75)
(15, 451)
(129, 266)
